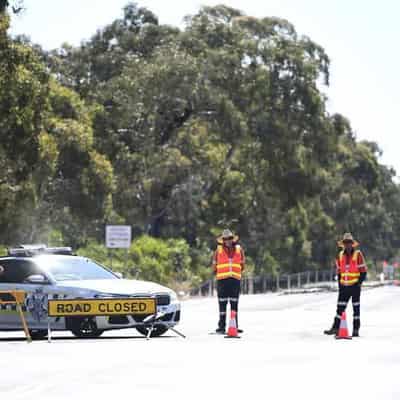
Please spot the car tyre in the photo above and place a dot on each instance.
(38, 334)
(85, 328)
(157, 331)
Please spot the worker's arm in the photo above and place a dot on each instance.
(362, 267)
(243, 259)
(337, 270)
(363, 276)
(214, 263)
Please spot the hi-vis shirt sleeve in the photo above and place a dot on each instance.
(362, 266)
(337, 265)
(243, 259)
(214, 262)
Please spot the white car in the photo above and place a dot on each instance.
(54, 273)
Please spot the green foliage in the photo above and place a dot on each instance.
(97, 251)
(167, 261)
(3, 251)
(181, 133)
(164, 261)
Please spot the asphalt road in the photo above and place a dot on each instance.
(282, 354)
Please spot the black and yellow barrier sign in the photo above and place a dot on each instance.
(84, 307)
(12, 297)
(16, 297)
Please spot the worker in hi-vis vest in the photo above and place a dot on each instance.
(351, 273)
(228, 266)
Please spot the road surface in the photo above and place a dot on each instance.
(282, 355)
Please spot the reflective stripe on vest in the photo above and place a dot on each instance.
(229, 267)
(349, 274)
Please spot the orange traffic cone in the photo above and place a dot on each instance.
(232, 330)
(343, 331)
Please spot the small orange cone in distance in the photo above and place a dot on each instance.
(232, 330)
(343, 331)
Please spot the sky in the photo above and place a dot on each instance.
(361, 37)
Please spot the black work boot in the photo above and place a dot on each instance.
(356, 328)
(331, 331)
(237, 325)
(221, 325)
(220, 331)
(334, 329)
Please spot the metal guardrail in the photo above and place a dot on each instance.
(270, 283)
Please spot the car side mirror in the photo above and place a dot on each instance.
(119, 274)
(37, 279)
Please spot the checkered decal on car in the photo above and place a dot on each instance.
(13, 307)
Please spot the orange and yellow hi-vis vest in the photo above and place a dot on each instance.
(229, 267)
(350, 273)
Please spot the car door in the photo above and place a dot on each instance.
(14, 277)
(8, 313)
(9, 316)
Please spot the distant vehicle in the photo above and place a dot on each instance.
(55, 273)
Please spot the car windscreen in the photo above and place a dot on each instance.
(70, 268)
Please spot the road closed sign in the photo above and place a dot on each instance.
(118, 236)
(86, 307)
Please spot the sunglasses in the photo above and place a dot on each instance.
(228, 238)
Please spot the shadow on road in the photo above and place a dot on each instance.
(71, 338)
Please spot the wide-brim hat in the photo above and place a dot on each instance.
(227, 234)
(348, 237)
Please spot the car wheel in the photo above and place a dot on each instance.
(38, 334)
(158, 330)
(84, 327)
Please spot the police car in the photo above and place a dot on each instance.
(55, 273)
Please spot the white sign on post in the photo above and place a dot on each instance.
(118, 236)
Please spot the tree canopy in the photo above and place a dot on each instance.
(181, 133)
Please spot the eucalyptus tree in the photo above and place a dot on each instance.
(51, 175)
(224, 123)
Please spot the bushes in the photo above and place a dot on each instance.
(169, 262)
